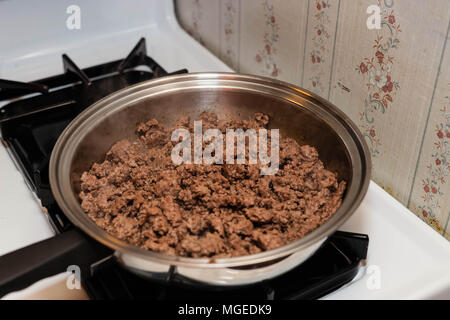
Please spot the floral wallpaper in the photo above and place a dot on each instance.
(195, 21)
(266, 56)
(229, 29)
(435, 184)
(393, 81)
(376, 71)
(321, 43)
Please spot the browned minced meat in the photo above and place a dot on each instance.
(139, 195)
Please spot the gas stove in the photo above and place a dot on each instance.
(30, 126)
(98, 61)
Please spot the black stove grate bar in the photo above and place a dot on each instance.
(181, 71)
(137, 57)
(60, 86)
(70, 66)
(17, 87)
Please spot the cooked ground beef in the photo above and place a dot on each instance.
(139, 195)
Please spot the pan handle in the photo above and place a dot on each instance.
(21, 268)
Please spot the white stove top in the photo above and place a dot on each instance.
(406, 258)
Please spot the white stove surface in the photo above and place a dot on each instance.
(407, 259)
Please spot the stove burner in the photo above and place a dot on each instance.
(31, 123)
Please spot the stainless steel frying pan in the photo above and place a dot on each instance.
(296, 112)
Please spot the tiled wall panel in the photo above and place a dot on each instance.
(394, 82)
